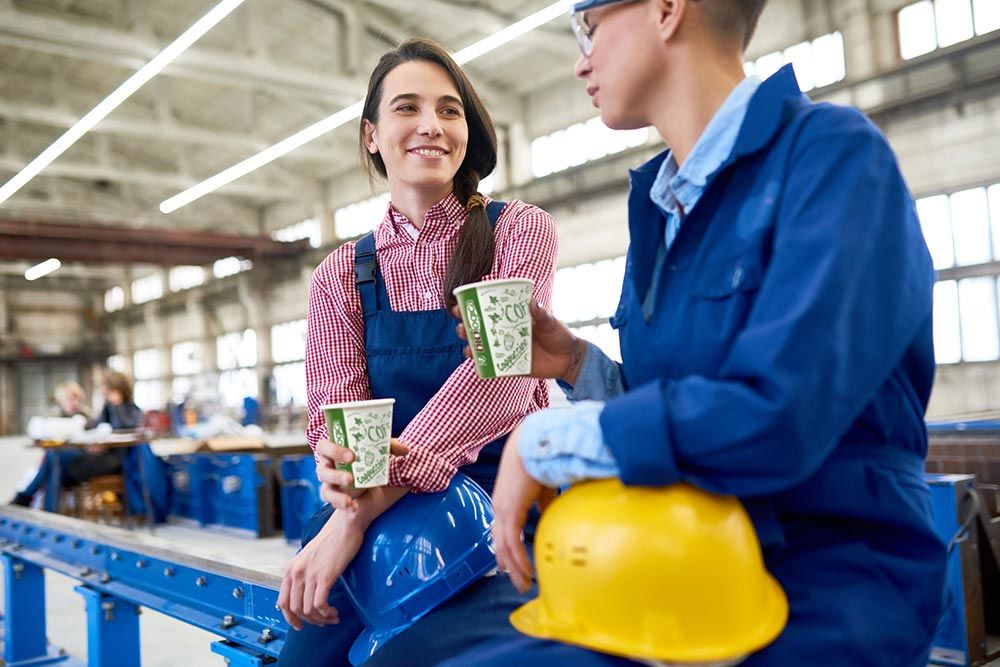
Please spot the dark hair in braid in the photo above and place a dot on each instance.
(473, 256)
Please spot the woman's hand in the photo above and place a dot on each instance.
(337, 486)
(555, 351)
(514, 492)
(309, 576)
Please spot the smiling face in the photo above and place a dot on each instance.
(421, 132)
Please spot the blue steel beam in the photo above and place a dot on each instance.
(237, 604)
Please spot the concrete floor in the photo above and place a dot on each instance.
(165, 642)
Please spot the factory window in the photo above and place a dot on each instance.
(580, 143)
(147, 288)
(360, 218)
(114, 299)
(230, 266)
(977, 301)
(585, 296)
(307, 229)
(290, 384)
(993, 194)
(236, 355)
(117, 362)
(181, 388)
(235, 385)
(962, 228)
(935, 221)
(817, 63)
(288, 341)
(185, 358)
(288, 349)
(185, 277)
(932, 24)
(971, 227)
(237, 350)
(147, 372)
(947, 334)
(965, 320)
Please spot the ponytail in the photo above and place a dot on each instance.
(473, 256)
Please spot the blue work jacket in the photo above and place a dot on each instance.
(788, 361)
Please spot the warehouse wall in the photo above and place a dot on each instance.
(942, 147)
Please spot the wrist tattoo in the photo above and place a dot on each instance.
(574, 364)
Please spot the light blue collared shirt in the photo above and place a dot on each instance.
(563, 446)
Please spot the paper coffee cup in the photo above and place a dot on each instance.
(498, 325)
(364, 427)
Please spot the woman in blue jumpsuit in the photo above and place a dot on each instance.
(775, 326)
(410, 355)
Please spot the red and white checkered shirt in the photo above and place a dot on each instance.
(466, 413)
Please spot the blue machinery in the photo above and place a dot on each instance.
(119, 572)
(236, 492)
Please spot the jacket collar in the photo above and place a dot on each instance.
(766, 114)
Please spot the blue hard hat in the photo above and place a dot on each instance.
(422, 551)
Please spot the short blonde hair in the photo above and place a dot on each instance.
(64, 389)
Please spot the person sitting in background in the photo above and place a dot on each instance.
(119, 410)
(74, 466)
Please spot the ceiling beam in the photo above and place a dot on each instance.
(164, 182)
(89, 242)
(481, 19)
(131, 50)
(167, 131)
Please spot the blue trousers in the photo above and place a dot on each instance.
(74, 467)
(475, 616)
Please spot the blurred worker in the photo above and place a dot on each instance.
(77, 466)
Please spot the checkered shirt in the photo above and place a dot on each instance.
(466, 413)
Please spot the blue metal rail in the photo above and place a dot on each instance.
(119, 572)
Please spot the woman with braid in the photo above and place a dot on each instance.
(379, 327)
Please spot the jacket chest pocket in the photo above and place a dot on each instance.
(722, 294)
(722, 279)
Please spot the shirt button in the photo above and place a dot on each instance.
(428, 295)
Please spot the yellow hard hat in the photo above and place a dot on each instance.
(671, 574)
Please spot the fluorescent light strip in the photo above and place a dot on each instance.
(119, 95)
(257, 161)
(43, 269)
(513, 31)
(353, 112)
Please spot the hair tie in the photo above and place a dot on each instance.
(475, 201)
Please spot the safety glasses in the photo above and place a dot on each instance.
(581, 27)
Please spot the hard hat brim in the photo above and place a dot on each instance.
(533, 619)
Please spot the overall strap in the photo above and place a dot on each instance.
(365, 270)
(493, 211)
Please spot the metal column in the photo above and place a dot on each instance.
(112, 630)
(24, 622)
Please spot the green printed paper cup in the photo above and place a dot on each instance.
(498, 324)
(364, 427)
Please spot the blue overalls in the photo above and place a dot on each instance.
(787, 360)
(410, 355)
